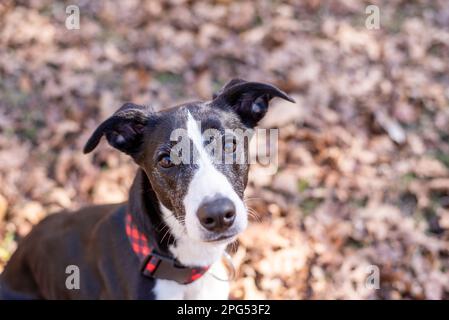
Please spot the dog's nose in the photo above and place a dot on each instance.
(217, 215)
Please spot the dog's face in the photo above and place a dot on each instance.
(203, 193)
(195, 156)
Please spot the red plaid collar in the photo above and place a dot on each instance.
(155, 265)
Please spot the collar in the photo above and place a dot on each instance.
(155, 265)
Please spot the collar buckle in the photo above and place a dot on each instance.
(156, 265)
(169, 269)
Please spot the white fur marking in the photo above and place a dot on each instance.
(188, 251)
(205, 288)
(191, 252)
(207, 182)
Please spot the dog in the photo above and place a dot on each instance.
(167, 240)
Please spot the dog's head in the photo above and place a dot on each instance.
(192, 156)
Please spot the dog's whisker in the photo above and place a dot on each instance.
(251, 198)
(171, 236)
(256, 217)
(164, 225)
(165, 234)
(254, 214)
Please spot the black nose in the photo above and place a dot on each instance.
(217, 215)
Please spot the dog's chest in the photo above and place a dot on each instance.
(207, 287)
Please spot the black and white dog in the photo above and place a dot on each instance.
(167, 241)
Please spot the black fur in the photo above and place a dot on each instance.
(248, 99)
(123, 129)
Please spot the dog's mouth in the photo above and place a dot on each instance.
(221, 238)
(225, 237)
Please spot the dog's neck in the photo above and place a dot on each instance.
(168, 233)
(144, 208)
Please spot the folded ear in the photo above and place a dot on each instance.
(248, 99)
(123, 130)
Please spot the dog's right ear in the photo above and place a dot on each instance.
(249, 100)
(123, 130)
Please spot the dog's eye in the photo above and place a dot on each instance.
(229, 146)
(165, 161)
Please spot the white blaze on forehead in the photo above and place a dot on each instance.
(194, 133)
(207, 182)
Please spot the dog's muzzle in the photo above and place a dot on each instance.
(217, 215)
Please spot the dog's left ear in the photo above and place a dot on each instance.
(123, 130)
(248, 99)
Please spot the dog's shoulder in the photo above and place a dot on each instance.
(115, 261)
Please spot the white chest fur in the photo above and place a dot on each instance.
(192, 252)
(207, 287)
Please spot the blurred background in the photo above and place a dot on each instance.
(363, 175)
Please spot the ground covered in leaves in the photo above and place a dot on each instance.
(363, 173)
